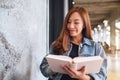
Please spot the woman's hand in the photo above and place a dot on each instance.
(78, 74)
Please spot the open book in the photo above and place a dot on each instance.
(92, 63)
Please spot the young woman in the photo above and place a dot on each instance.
(75, 40)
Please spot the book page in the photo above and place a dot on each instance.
(57, 61)
(60, 57)
(81, 59)
(92, 64)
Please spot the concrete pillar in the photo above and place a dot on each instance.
(99, 30)
(103, 32)
(113, 17)
(112, 35)
(104, 28)
(65, 7)
(119, 41)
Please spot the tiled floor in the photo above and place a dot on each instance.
(114, 66)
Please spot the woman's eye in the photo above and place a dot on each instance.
(69, 22)
(76, 22)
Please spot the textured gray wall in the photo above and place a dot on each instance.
(22, 39)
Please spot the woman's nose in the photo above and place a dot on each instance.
(71, 25)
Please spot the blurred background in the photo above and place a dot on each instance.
(28, 27)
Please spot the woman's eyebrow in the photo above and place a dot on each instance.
(74, 20)
(77, 20)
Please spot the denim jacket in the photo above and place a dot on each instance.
(88, 48)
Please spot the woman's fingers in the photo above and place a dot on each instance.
(69, 70)
(74, 73)
(83, 70)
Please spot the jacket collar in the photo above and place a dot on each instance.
(87, 41)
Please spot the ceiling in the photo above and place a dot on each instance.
(99, 10)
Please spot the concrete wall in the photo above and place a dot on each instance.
(22, 39)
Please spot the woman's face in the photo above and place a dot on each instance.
(75, 25)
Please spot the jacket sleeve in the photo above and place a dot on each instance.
(102, 75)
(45, 69)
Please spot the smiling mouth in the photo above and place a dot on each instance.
(72, 31)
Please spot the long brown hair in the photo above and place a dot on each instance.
(62, 43)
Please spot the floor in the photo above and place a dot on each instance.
(114, 66)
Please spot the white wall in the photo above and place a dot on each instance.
(23, 27)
